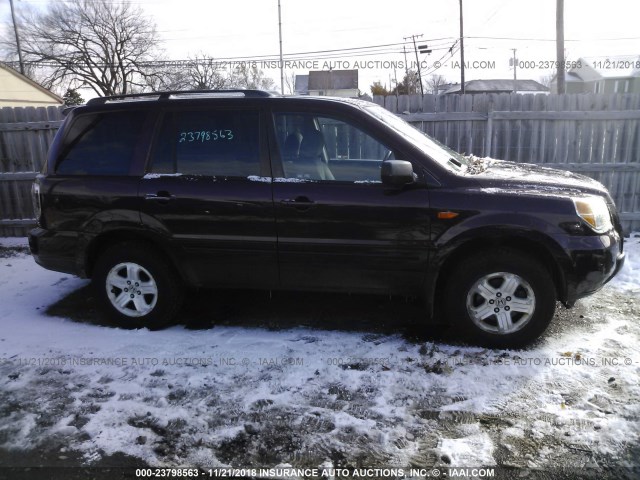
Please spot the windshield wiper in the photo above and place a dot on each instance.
(455, 162)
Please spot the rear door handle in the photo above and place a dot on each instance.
(300, 202)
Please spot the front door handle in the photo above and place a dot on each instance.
(162, 196)
(301, 202)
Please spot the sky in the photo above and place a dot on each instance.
(335, 34)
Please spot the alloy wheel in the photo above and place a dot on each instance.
(501, 303)
(131, 289)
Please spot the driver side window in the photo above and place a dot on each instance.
(316, 147)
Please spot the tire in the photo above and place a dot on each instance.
(500, 298)
(159, 293)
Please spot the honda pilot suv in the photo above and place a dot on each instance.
(150, 194)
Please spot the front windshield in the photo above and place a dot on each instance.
(431, 147)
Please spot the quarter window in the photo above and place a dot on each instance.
(211, 143)
(101, 144)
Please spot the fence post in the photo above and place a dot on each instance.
(488, 135)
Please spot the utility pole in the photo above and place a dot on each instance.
(560, 45)
(406, 69)
(462, 90)
(515, 67)
(15, 29)
(281, 62)
(395, 74)
(415, 48)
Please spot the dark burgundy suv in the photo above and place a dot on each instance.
(153, 193)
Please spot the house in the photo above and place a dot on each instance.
(443, 88)
(16, 90)
(334, 83)
(302, 85)
(619, 74)
(499, 86)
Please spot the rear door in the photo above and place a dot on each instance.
(338, 227)
(208, 191)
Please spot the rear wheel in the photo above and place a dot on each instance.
(500, 299)
(137, 287)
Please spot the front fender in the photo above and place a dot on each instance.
(482, 232)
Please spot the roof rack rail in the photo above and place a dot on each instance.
(178, 93)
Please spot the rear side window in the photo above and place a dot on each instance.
(101, 144)
(210, 143)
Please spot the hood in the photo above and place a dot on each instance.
(535, 179)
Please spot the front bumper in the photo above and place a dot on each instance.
(592, 262)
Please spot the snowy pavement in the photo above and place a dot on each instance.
(308, 380)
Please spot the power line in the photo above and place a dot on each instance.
(228, 61)
(441, 61)
(553, 39)
(371, 50)
(500, 7)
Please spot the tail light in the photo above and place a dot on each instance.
(37, 206)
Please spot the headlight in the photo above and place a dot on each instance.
(594, 211)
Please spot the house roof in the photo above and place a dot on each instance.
(598, 68)
(447, 86)
(499, 85)
(580, 76)
(13, 95)
(333, 79)
(570, 77)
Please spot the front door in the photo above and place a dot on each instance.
(338, 227)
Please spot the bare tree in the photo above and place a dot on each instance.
(546, 79)
(204, 74)
(434, 83)
(104, 44)
(197, 73)
(247, 75)
(290, 82)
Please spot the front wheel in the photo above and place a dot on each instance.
(500, 299)
(137, 287)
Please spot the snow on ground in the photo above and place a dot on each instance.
(629, 277)
(311, 380)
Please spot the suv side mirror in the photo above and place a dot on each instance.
(397, 173)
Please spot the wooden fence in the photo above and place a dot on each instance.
(597, 135)
(25, 136)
